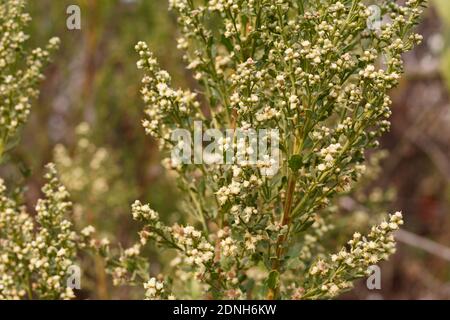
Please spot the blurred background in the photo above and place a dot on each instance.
(87, 121)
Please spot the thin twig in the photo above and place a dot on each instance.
(425, 244)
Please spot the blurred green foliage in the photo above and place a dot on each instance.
(94, 79)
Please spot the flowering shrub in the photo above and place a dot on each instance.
(312, 70)
(93, 180)
(36, 253)
(20, 70)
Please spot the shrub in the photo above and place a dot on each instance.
(20, 71)
(315, 72)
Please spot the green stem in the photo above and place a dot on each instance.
(29, 290)
(2, 149)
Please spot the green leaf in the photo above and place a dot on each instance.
(227, 43)
(202, 187)
(295, 162)
(282, 147)
(303, 226)
(273, 279)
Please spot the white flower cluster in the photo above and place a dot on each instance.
(153, 289)
(35, 254)
(155, 229)
(94, 180)
(196, 250)
(19, 73)
(76, 172)
(166, 108)
(349, 264)
(229, 247)
(239, 184)
(327, 155)
(143, 212)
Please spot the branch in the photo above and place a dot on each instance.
(425, 244)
